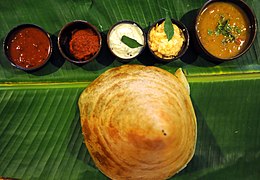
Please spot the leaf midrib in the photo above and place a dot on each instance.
(82, 84)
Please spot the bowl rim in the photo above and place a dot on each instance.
(252, 36)
(88, 24)
(185, 45)
(14, 30)
(126, 21)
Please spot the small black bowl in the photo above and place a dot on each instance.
(124, 59)
(253, 30)
(26, 42)
(184, 47)
(65, 35)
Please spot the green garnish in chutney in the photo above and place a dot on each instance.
(168, 27)
(132, 43)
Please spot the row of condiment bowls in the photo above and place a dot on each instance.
(29, 47)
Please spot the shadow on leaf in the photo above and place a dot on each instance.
(207, 153)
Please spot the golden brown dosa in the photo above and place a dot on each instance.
(138, 122)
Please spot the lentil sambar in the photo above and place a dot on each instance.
(223, 29)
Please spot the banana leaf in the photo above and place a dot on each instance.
(40, 133)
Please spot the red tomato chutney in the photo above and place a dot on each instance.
(29, 47)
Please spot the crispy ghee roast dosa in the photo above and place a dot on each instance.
(138, 122)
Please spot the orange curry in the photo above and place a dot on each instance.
(223, 29)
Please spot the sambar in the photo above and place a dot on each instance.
(223, 29)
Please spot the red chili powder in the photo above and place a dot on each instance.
(84, 44)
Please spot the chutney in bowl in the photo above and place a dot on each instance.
(79, 42)
(119, 33)
(28, 47)
(225, 30)
(168, 50)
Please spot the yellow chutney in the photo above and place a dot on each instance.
(223, 29)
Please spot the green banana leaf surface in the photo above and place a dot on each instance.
(40, 132)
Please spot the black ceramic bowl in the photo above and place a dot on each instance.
(253, 30)
(65, 36)
(115, 27)
(28, 47)
(184, 47)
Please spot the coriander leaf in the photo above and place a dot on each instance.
(226, 24)
(132, 43)
(224, 28)
(210, 32)
(238, 30)
(168, 28)
(217, 32)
